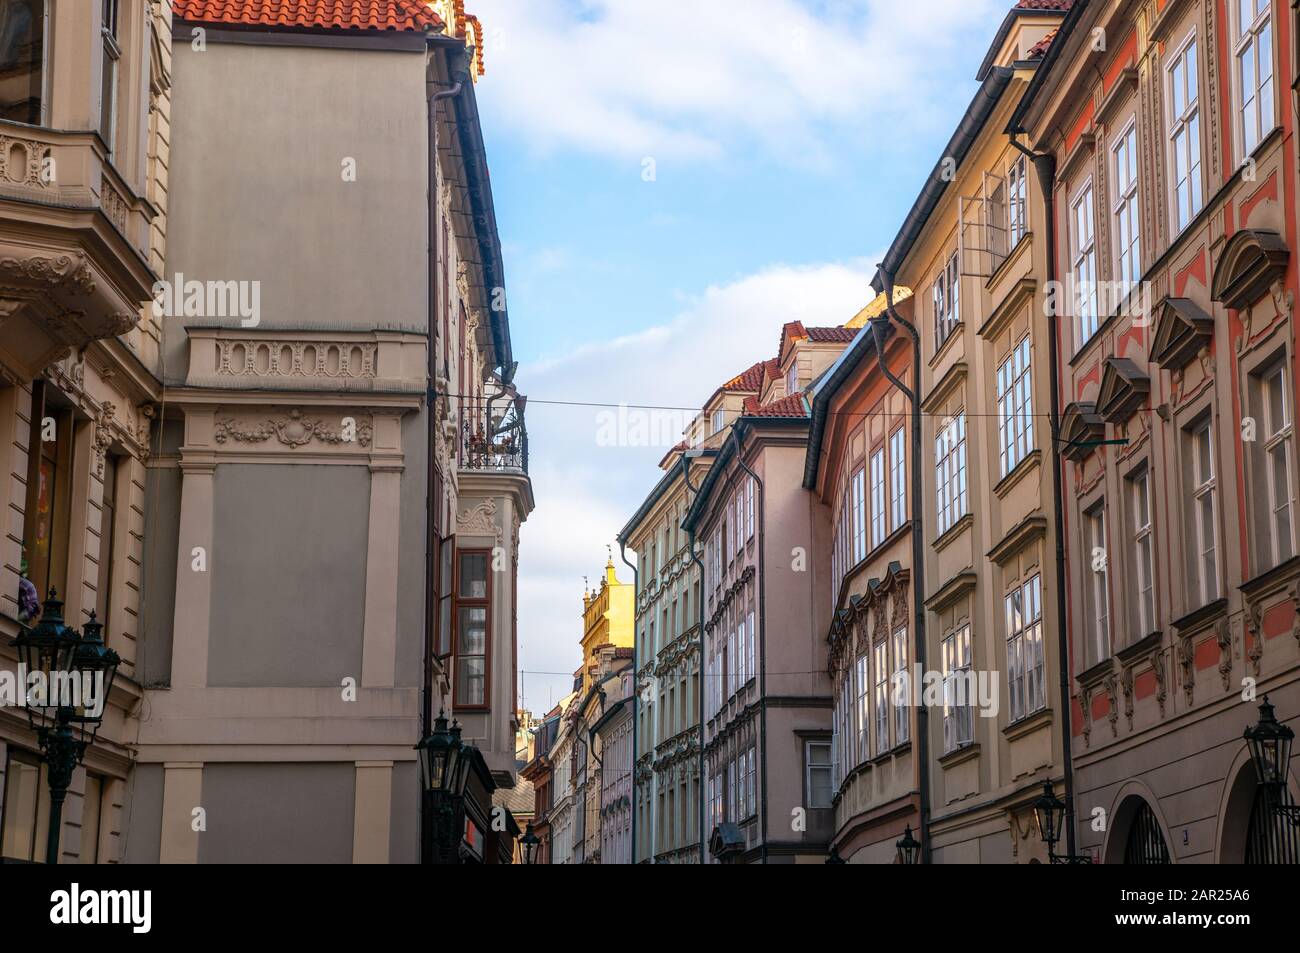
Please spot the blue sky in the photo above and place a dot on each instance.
(786, 141)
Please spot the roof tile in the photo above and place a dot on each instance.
(403, 16)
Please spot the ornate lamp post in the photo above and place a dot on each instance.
(908, 846)
(529, 843)
(445, 767)
(1270, 750)
(1049, 813)
(834, 857)
(68, 676)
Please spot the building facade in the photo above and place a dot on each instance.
(1175, 216)
(85, 101)
(767, 703)
(857, 467)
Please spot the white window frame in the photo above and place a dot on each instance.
(810, 765)
(958, 725)
(946, 301)
(1015, 407)
(1142, 550)
(1277, 449)
(1026, 664)
(898, 477)
(1097, 585)
(862, 718)
(1253, 45)
(950, 471)
(1184, 132)
(1126, 211)
(1205, 536)
(1017, 202)
(878, 532)
(112, 51)
(859, 526)
(1083, 262)
(900, 686)
(880, 693)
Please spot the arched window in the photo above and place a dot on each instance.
(1271, 838)
(1146, 843)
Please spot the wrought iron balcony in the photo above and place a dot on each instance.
(493, 435)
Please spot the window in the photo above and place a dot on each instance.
(731, 791)
(1127, 227)
(1139, 486)
(730, 662)
(1084, 263)
(1204, 531)
(1185, 135)
(749, 644)
(950, 467)
(107, 539)
(957, 689)
(1015, 420)
(749, 789)
(91, 809)
(859, 518)
(864, 708)
(880, 661)
(108, 79)
(719, 420)
(472, 607)
(1025, 649)
(1253, 53)
(792, 378)
(48, 513)
(26, 819)
(946, 301)
(749, 509)
(897, 478)
(1098, 594)
(817, 780)
(22, 60)
(1017, 213)
(1277, 453)
(877, 497)
(901, 687)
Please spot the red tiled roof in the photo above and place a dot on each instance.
(772, 368)
(1039, 49)
(405, 16)
(751, 378)
(790, 406)
(1059, 5)
(838, 335)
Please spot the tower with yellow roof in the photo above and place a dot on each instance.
(607, 619)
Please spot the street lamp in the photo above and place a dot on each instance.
(1049, 813)
(834, 857)
(68, 676)
(529, 843)
(908, 846)
(1270, 748)
(445, 767)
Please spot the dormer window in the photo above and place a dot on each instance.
(22, 60)
(719, 420)
(792, 378)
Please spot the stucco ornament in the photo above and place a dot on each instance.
(293, 431)
(103, 437)
(479, 520)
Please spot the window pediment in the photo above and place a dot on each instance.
(1251, 261)
(1124, 388)
(1182, 329)
(1081, 427)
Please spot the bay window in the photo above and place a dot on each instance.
(859, 518)
(880, 663)
(877, 498)
(863, 719)
(473, 614)
(897, 478)
(901, 687)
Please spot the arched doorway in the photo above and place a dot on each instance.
(1271, 838)
(1145, 843)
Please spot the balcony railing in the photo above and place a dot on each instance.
(493, 435)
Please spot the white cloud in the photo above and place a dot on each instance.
(587, 491)
(682, 79)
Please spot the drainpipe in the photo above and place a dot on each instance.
(918, 548)
(636, 688)
(762, 637)
(1045, 166)
(699, 608)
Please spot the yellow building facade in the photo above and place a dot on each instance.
(607, 619)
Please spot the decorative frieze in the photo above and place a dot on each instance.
(293, 430)
(24, 162)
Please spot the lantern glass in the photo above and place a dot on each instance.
(1270, 747)
(94, 666)
(47, 651)
(908, 846)
(1049, 812)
